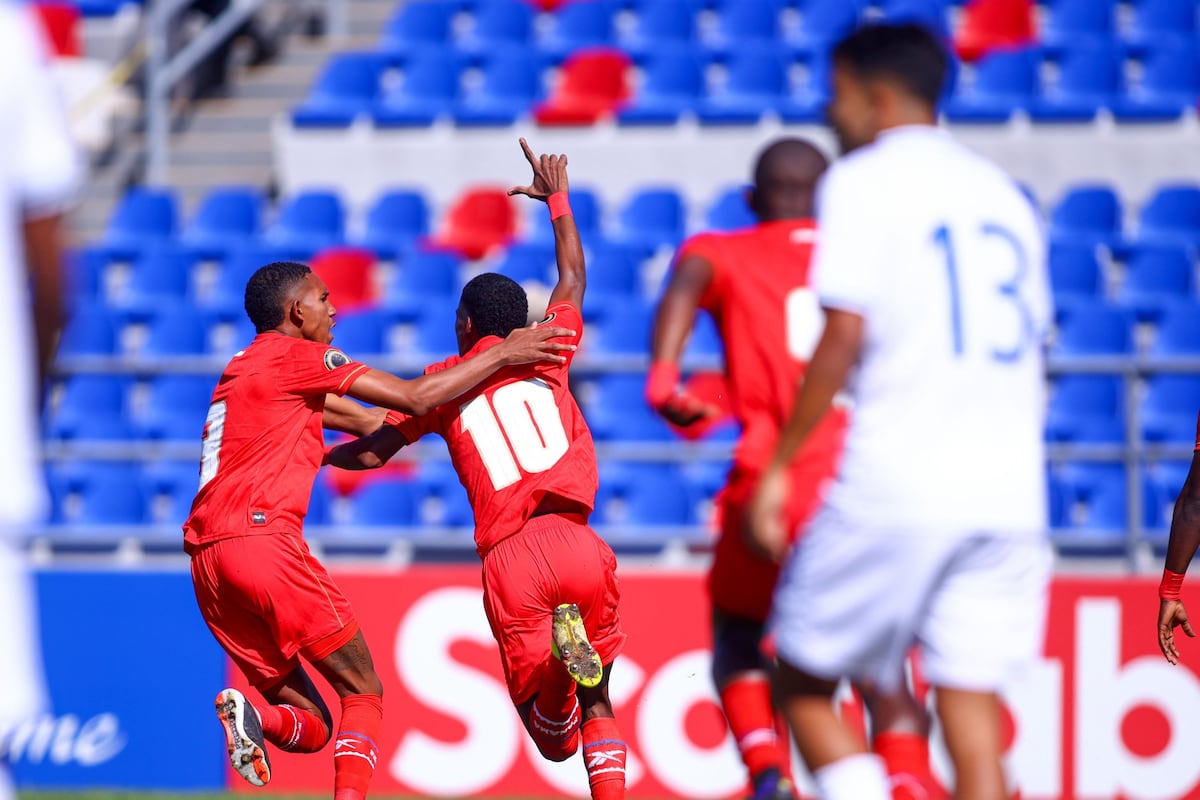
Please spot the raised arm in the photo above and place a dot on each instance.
(348, 416)
(1181, 548)
(422, 395)
(689, 281)
(551, 187)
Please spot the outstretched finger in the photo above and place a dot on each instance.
(525, 190)
(529, 156)
(1187, 628)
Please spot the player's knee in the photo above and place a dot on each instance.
(556, 752)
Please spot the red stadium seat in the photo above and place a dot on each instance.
(994, 24)
(593, 84)
(347, 273)
(479, 221)
(60, 21)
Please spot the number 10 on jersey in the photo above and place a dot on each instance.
(521, 425)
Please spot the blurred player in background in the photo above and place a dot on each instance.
(755, 283)
(524, 453)
(931, 271)
(265, 598)
(1181, 549)
(39, 173)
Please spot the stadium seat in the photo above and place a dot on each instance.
(168, 488)
(1155, 22)
(160, 275)
(585, 207)
(510, 84)
(346, 272)
(108, 496)
(823, 24)
(91, 330)
(103, 8)
(228, 217)
(347, 88)
(176, 407)
(498, 25)
(478, 221)
(84, 269)
(83, 396)
(811, 87)
(1155, 276)
(1168, 410)
(729, 211)
(742, 25)
(1086, 408)
(1074, 273)
(1090, 214)
(592, 85)
(613, 273)
(427, 87)
(1161, 488)
(931, 14)
(418, 24)
(360, 334)
(1167, 84)
(178, 330)
(531, 262)
(624, 329)
(673, 82)
(306, 223)
(1172, 216)
(1002, 83)
(652, 218)
(1178, 330)
(143, 217)
(994, 25)
(442, 499)
(1095, 329)
(660, 23)
(386, 502)
(228, 292)
(422, 279)
(576, 25)
(395, 221)
(228, 336)
(1071, 21)
(705, 341)
(644, 495)
(436, 339)
(755, 84)
(1089, 79)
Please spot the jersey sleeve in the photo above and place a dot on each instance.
(850, 257)
(707, 246)
(413, 428)
(314, 368)
(563, 315)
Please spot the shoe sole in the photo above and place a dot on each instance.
(243, 738)
(571, 646)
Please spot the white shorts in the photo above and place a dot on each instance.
(852, 602)
(21, 676)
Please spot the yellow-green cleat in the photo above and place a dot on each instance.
(570, 645)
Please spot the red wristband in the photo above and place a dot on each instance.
(393, 418)
(1168, 588)
(559, 205)
(661, 382)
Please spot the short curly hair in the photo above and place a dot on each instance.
(267, 291)
(496, 304)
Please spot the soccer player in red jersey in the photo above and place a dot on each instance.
(754, 282)
(1181, 549)
(525, 456)
(265, 598)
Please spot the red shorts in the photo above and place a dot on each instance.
(267, 600)
(552, 560)
(739, 582)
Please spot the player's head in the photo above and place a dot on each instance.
(785, 179)
(292, 299)
(492, 305)
(884, 76)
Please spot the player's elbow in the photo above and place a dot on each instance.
(419, 403)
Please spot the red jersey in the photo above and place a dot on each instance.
(263, 439)
(515, 439)
(769, 321)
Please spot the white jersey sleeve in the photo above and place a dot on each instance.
(848, 260)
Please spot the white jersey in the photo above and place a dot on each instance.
(944, 258)
(39, 170)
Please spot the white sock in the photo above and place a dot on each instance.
(857, 777)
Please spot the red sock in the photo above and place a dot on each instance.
(604, 756)
(293, 729)
(355, 751)
(554, 720)
(747, 704)
(906, 758)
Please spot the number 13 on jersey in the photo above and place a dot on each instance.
(521, 425)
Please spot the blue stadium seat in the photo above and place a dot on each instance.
(228, 292)
(422, 279)
(660, 23)
(417, 24)
(729, 211)
(107, 495)
(1172, 216)
(1178, 330)
(442, 500)
(1089, 79)
(176, 407)
(347, 88)
(1070, 21)
(743, 24)
(932, 14)
(578, 25)
(823, 23)
(168, 488)
(1162, 484)
(229, 335)
(653, 218)
(1089, 213)
(529, 262)
(308, 222)
(755, 84)
(85, 396)
(643, 495)
(1155, 21)
(435, 338)
(428, 87)
(395, 221)
(1074, 273)
(705, 340)
(1169, 408)
(499, 25)
(1093, 496)
(1095, 329)
(1155, 276)
(1168, 84)
(807, 98)
(674, 80)
(91, 330)
(1086, 408)
(360, 334)
(585, 207)
(384, 502)
(623, 329)
(177, 330)
(84, 269)
(511, 82)
(162, 275)
(1003, 82)
(613, 273)
(143, 217)
(228, 216)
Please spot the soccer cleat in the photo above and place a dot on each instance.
(570, 645)
(243, 737)
(770, 784)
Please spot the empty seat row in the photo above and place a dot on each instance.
(1148, 279)
(1091, 409)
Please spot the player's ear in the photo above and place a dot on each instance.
(752, 200)
(294, 311)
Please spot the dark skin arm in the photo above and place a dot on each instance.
(550, 177)
(673, 324)
(43, 255)
(368, 452)
(348, 416)
(836, 354)
(1181, 548)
